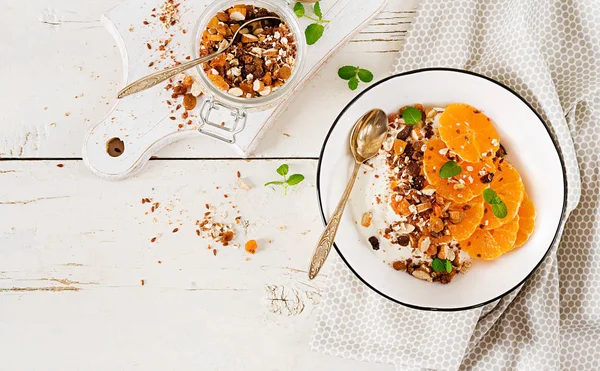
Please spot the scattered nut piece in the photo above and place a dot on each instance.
(366, 219)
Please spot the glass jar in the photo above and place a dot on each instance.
(238, 108)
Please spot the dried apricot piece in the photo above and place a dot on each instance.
(465, 218)
(526, 221)
(509, 187)
(468, 132)
(251, 246)
(219, 81)
(189, 102)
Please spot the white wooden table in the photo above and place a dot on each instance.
(74, 249)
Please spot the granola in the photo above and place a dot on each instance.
(259, 62)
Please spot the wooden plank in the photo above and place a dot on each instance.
(74, 250)
(64, 71)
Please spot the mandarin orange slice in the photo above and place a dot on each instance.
(509, 187)
(460, 188)
(491, 244)
(481, 245)
(470, 213)
(506, 234)
(526, 221)
(468, 132)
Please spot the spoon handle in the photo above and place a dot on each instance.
(328, 236)
(160, 76)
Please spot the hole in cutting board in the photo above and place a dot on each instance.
(115, 147)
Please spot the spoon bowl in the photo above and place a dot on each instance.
(366, 139)
(160, 76)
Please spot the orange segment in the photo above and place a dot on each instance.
(481, 245)
(470, 183)
(506, 234)
(468, 132)
(491, 244)
(473, 212)
(508, 185)
(526, 221)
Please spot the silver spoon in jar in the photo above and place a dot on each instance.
(160, 76)
(366, 138)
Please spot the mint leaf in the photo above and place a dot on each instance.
(299, 9)
(353, 83)
(500, 210)
(491, 197)
(317, 10)
(347, 72)
(438, 265)
(283, 170)
(365, 75)
(295, 179)
(273, 183)
(448, 265)
(412, 116)
(313, 33)
(450, 169)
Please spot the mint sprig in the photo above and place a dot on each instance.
(353, 74)
(441, 265)
(314, 31)
(498, 206)
(292, 180)
(412, 116)
(450, 169)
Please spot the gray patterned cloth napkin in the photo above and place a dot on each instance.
(549, 52)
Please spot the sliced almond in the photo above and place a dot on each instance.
(422, 275)
(424, 243)
(270, 52)
(443, 253)
(265, 91)
(258, 85)
(459, 186)
(366, 219)
(428, 191)
(242, 184)
(249, 38)
(423, 207)
(237, 14)
(236, 92)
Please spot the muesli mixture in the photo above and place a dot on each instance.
(259, 62)
(446, 209)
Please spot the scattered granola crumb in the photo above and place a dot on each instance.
(215, 252)
(67, 114)
(143, 282)
(175, 230)
(159, 262)
(59, 165)
(153, 239)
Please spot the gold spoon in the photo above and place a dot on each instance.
(366, 138)
(160, 76)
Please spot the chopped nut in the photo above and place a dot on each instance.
(236, 92)
(428, 190)
(399, 265)
(422, 275)
(424, 243)
(237, 13)
(458, 186)
(243, 185)
(423, 207)
(443, 253)
(456, 216)
(436, 224)
(249, 38)
(366, 219)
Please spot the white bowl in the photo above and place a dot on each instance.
(531, 150)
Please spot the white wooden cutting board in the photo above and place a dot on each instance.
(143, 121)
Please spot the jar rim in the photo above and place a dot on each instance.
(288, 17)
